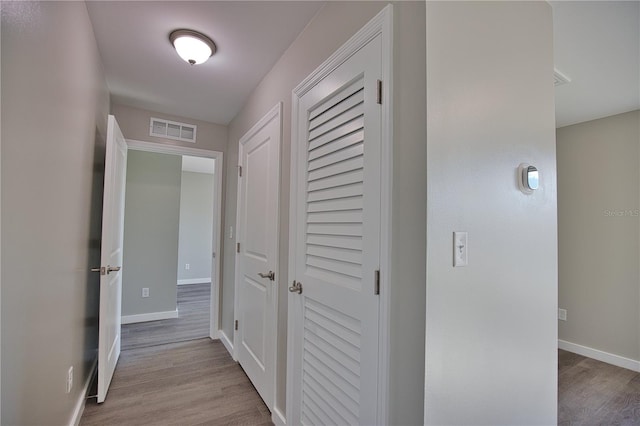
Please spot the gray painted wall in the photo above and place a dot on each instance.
(196, 226)
(134, 123)
(334, 24)
(598, 233)
(491, 338)
(151, 218)
(54, 111)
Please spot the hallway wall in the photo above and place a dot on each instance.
(55, 103)
(151, 224)
(599, 234)
(491, 340)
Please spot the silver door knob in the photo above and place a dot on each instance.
(102, 270)
(113, 268)
(271, 275)
(296, 287)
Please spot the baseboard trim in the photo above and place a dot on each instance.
(152, 316)
(195, 281)
(599, 355)
(82, 400)
(226, 342)
(278, 418)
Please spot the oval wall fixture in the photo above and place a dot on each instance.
(192, 46)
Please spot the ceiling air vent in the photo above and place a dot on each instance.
(559, 78)
(172, 130)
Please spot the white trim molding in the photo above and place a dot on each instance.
(189, 281)
(152, 316)
(599, 355)
(380, 25)
(227, 343)
(82, 399)
(278, 418)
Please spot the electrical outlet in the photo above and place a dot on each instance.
(145, 292)
(70, 379)
(187, 266)
(562, 314)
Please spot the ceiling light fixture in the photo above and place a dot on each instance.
(192, 46)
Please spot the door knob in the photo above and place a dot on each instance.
(296, 287)
(113, 268)
(102, 270)
(271, 275)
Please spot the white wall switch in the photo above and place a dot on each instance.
(187, 266)
(70, 379)
(231, 232)
(460, 249)
(562, 314)
(145, 292)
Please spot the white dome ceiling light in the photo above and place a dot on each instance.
(192, 46)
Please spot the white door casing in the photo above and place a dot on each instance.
(111, 256)
(257, 235)
(337, 329)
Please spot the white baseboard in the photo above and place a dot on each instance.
(195, 281)
(277, 418)
(152, 316)
(599, 355)
(226, 342)
(82, 399)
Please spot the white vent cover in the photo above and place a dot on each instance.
(172, 130)
(559, 78)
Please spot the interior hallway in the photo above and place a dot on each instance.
(187, 383)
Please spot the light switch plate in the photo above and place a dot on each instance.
(460, 249)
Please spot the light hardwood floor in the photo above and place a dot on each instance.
(192, 323)
(186, 383)
(591, 392)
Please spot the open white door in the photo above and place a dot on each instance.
(334, 304)
(111, 256)
(257, 261)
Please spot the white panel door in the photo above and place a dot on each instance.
(257, 225)
(337, 246)
(111, 256)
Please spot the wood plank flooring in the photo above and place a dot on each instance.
(186, 383)
(193, 321)
(591, 392)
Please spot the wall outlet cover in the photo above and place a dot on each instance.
(562, 314)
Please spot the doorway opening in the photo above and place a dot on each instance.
(171, 240)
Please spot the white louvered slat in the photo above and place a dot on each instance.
(336, 169)
(353, 256)
(353, 176)
(337, 156)
(345, 105)
(347, 128)
(331, 101)
(350, 203)
(344, 216)
(336, 241)
(337, 121)
(337, 144)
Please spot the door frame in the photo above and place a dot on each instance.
(274, 113)
(214, 305)
(381, 24)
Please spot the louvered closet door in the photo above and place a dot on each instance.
(337, 245)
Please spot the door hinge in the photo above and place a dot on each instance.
(236, 324)
(240, 171)
(379, 98)
(376, 289)
(238, 248)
